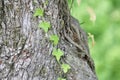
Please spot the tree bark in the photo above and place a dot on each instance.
(25, 49)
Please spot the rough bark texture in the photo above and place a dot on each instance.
(25, 49)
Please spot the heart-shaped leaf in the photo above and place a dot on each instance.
(65, 68)
(55, 39)
(44, 25)
(38, 12)
(57, 53)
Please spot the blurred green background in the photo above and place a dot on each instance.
(102, 19)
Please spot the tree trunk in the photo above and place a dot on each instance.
(26, 49)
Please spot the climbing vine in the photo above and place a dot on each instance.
(57, 53)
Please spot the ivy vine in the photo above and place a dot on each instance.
(57, 53)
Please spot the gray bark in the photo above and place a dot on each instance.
(25, 49)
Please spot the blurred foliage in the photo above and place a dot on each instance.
(102, 19)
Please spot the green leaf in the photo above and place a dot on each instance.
(65, 68)
(46, 2)
(57, 53)
(61, 78)
(55, 39)
(44, 25)
(38, 12)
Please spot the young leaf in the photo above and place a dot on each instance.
(61, 78)
(38, 12)
(46, 2)
(65, 68)
(57, 53)
(55, 39)
(44, 25)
